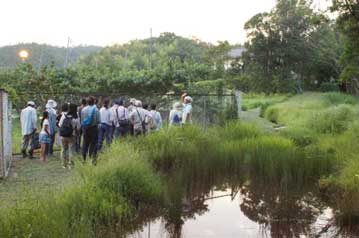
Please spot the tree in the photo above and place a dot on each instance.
(348, 22)
(284, 46)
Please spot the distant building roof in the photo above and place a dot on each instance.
(237, 52)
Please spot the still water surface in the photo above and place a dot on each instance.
(228, 214)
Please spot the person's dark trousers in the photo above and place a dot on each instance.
(51, 145)
(90, 138)
(26, 141)
(132, 130)
(105, 132)
(121, 131)
(78, 142)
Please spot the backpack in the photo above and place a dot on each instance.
(176, 120)
(87, 121)
(122, 122)
(35, 141)
(143, 123)
(66, 129)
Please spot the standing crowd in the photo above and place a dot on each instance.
(83, 129)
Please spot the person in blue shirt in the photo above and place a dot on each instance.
(90, 119)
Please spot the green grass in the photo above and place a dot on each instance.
(251, 101)
(326, 122)
(16, 135)
(130, 177)
(133, 176)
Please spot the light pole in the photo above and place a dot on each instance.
(23, 54)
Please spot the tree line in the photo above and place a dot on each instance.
(289, 49)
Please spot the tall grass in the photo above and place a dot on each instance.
(131, 178)
(103, 201)
(327, 123)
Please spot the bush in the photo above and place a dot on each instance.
(302, 137)
(272, 114)
(329, 87)
(340, 98)
(334, 120)
(263, 108)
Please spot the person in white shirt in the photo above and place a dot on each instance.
(187, 110)
(121, 119)
(69, 125)
(175, 117)
(131, 107)
(106, 125)
(44, 136)
(137, 119)
(156, 115)
(28, 119)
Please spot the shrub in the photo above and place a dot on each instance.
(272, 114)
(329, 87)
(301, 136)
(333, 120)
(263, 108)
(340, 98)
(348, 183)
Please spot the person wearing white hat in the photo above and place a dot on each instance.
(28, 118)
(137, 119)
(50, 108)
(175, 117)
(187, 110)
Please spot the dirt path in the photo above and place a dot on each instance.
(253, 117)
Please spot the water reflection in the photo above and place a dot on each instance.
(215, 205)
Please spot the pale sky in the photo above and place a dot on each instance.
(105, 22)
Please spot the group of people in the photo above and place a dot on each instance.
(83, 129)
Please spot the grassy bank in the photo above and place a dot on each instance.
(131, 179)
(139, 179)
(327, 122)
(251, 101)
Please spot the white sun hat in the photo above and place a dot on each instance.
(51, 104)
(31, 103)
(188, 99)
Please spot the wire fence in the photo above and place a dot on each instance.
(5, 134)
(207, 108)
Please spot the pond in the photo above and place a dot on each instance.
(245, 208)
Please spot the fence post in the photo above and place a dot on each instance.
(238, 95)
(5, 134)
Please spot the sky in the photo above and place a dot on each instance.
(106, 22)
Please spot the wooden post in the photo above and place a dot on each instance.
(5, 134)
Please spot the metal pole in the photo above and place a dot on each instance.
(151, 48)
(67, 52)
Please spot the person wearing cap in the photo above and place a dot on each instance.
(187, 109)
(121, 119)
(28, 119)
(131, 107)
(50, 108)
(137, 119)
